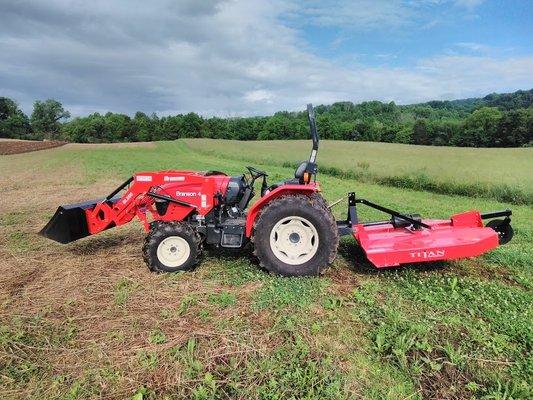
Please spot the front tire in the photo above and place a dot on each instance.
(171, 247)
(296, 235)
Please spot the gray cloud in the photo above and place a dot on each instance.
(213, 57)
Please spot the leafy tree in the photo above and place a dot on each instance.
(421, 133)
(369, 130)
(7, 108)
(516, 128)
(495, 120)
(192, 126)
(481, 128)
(46, 117)
(120, 128)
(13, 122)
(404, 135)
(218, 128)
(241, 129)
(279, 126)
(171, 127)
(146, 126)
(445, 132)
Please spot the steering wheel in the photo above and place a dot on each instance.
(256, 173)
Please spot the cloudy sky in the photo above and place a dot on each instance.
(232, 57)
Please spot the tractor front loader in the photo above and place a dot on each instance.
(290, 226)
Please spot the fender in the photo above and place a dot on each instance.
(307, 189)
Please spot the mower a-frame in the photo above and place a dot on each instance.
(291, 227)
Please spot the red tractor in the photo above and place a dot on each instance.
(291, 226)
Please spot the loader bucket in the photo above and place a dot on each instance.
(69, 222)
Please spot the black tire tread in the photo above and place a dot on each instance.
(159, 230)
(319, 206)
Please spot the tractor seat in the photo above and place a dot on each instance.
(299, 173)
(298, 177)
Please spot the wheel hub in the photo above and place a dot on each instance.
(294, 240)
(294, 237)
(173, 251)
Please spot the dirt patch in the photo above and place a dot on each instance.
(486, 272)
(15, 146)
(344, 280)
(24, 146)
(448, 383)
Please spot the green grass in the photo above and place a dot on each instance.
(503, 174)
(292, 370)
(229, 330)
(289, 293)
(123, 290)
(223, 299)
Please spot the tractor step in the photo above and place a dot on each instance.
(461, 236)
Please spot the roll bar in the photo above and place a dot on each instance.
(314, 132)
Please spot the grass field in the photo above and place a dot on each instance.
(88, 320)
(502, 174)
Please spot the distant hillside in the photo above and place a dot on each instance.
(504, 101)
(496, 120)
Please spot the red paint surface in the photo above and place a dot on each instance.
(461, 236)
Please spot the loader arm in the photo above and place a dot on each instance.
(108, 214)
(75, 221)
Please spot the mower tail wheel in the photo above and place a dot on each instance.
(503, 228)
(296, 235)
(172, 247)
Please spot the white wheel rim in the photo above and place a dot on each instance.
(294, 240)
(173, 251)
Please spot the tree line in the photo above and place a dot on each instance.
(496, 120)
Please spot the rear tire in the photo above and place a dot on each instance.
(171, 247)
(296, 235)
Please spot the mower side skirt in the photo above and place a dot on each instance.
(461, 236)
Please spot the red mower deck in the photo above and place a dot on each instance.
(386, 246)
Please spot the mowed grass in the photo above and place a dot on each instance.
(88, 320)
(503, 174)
